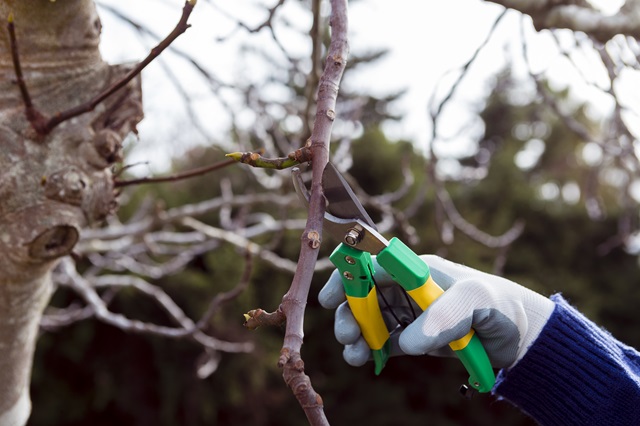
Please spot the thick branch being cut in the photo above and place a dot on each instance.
(176, 176)
(294, 302)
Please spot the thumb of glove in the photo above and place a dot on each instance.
(507, 318)
(443, 322)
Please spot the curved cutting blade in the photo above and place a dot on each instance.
(342, 202)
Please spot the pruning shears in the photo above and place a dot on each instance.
(346, 220)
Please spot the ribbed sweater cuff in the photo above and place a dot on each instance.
(575, 373)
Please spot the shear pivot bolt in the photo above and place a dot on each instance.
(350, 260)
(353, 237)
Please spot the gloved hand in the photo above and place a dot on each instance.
(506, 316)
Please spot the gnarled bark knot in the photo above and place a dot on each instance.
(53, 243)
(52, 187)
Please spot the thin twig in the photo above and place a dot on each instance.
(267, 23)
(257, 317)
(435, 111)
(91, 297)
(445, 205)
(214, 82)
(177, 176)
(500, 241)
(63, 116)
(276, 261)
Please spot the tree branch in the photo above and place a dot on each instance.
(187, 328)
(579, 15)
(294, 302)
(241, 242)
(43, 125)
(176, 176)
(255, 159)
(34, 117)
(257, 317)
(436, 110)
(316, 64)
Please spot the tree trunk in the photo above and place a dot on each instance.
(52, 183)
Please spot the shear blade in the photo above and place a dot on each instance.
(342, 202)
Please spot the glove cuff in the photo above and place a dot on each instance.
(574, 374)
(538, 311)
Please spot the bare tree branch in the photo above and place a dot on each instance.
(240, 242)
(316, 65)
(177, 176)
(187, 327)
(254, 159)
(222, 298)
(44, 125)
(446, 207)
(463, 70)
(180, 28)
(294, 301)
(472, 231)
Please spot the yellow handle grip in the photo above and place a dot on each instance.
(425, 295)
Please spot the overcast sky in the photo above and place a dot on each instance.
(426, 40)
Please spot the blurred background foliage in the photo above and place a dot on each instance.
(94, 374)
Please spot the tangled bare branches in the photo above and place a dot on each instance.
(613, 39)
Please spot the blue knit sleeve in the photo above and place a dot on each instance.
(575, 373)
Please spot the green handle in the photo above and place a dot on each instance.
(475, 360)
(408, 270)
(356, 269)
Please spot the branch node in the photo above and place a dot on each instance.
(285, 356)
(331, 114)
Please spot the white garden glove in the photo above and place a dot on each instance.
(506, 316)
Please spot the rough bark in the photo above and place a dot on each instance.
(50, 184)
